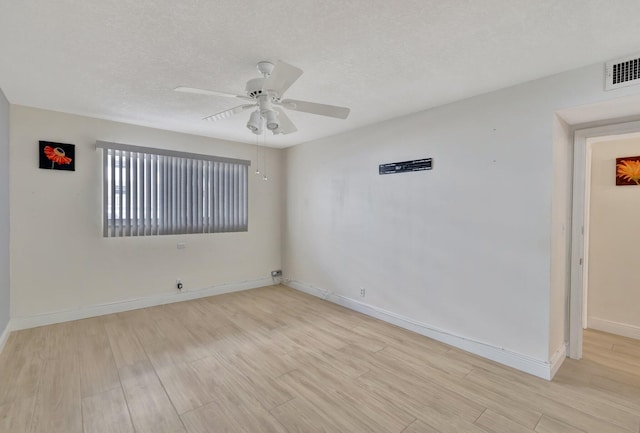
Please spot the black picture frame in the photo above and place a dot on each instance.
(57, 156)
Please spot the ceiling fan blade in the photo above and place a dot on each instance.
(281, 78)
(228, 113)
(285, 125)
(314, 108)
(209, 92)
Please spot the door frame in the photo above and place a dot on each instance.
(580, 225)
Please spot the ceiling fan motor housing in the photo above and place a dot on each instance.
(254, 87)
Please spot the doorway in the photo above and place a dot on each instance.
(580, 314)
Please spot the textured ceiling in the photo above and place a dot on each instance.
(120, 59)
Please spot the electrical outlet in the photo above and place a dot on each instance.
(363, 292)
(179, 284)
(182, 245)
(277, 273)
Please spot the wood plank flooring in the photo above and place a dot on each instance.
(276, 360)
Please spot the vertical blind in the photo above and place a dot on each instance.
(158, 192)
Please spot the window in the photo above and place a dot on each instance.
(150, 192)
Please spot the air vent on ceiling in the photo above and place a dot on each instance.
(622, 72)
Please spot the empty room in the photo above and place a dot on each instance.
(294, 216)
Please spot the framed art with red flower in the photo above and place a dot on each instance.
(628, 170)
(57, 156)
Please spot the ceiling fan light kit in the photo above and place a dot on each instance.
(265, 93)
(272, 120)
(255, 123)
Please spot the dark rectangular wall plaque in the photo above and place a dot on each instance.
(404, 166)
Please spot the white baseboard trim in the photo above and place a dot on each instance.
(25, 322)
(5, 335)
(528, 364)
(558, 358)
(612, 327)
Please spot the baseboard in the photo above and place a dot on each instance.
(5, 335)
(25, 322)
(306, 288)
(558, 358)
(612, 327)
(528, 364)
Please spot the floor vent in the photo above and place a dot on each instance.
(622, 72)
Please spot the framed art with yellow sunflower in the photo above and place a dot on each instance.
(57, 156)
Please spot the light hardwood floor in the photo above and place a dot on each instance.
(276, 360)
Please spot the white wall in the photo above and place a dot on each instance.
(60, 261)
(4, 215)
(465, 249)
(614, 274)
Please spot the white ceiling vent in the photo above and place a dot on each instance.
(622, 72)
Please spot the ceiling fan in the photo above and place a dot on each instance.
(265, 94)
